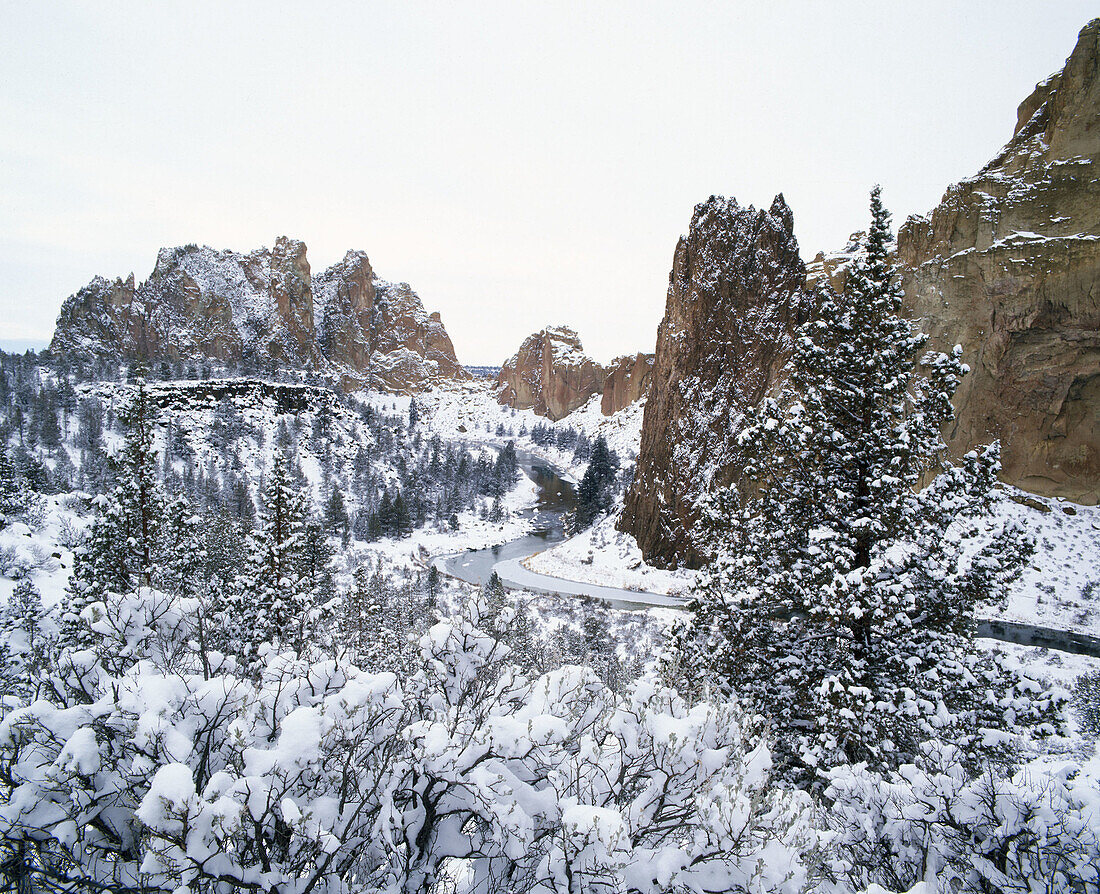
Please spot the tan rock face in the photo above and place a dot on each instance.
(550, 374)
(627, 380)
(264, 307)
(411, 348)
(1008, 266)
(735, 296)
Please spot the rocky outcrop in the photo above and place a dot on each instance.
(550, 374)
(263, 308)
(735, 295)
(1008, 266)
(627, 381)
(380, 331)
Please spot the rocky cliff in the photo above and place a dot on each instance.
(627, 381)
(735, 294)
(263, 308)
(550, 374)
(1008, 266)
(379, 330)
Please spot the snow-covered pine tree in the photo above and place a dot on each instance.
(595, 493)
(13, 492)
(118, 553)
(271, 603)
(840, 600)
(24, 646)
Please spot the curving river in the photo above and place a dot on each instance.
(557, 496)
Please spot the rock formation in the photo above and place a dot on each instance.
(263, 308)
(550, 374)
(627, 381)
(1008, 266)
(735, 294)
(380, 330)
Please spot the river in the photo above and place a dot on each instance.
(557, 496)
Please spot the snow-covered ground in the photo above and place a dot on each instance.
(602, 555)
(471, 411)
(1059, 670)
(40, 548)
(1060, 587)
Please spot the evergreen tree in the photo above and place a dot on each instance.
(432, 585)
(840, 600)
(336, 514)
(24, 648)
(271, 602)
(597, 488)
(13, 493)
(118, 553)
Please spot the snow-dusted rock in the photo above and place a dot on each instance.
(264, 308)
(550, 373)
(1007, 266)
(735, 294)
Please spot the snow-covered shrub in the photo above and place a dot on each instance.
(20, 557)
(932, 822)
(1086, 703)
(163, 771)
(70, 534)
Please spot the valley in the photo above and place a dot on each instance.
(805, 599)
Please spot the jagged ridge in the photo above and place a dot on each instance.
(264, 308)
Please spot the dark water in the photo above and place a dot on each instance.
(555, 497)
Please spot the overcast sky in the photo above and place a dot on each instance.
(519, 164)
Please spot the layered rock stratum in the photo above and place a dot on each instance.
(263, 308)
(735, 295)
(1008, 266)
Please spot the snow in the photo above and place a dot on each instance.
(1060, 587)
(603, 555)
(470, 411)
(513, 573)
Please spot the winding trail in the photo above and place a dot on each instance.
(557, 496)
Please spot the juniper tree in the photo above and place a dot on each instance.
(840, 599)
(271, 599)
(118, 553)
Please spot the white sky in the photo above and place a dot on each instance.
(519, 164)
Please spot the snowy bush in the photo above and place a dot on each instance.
(155, 775)
(932, 822)
(20, 557)
(1086, 703)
